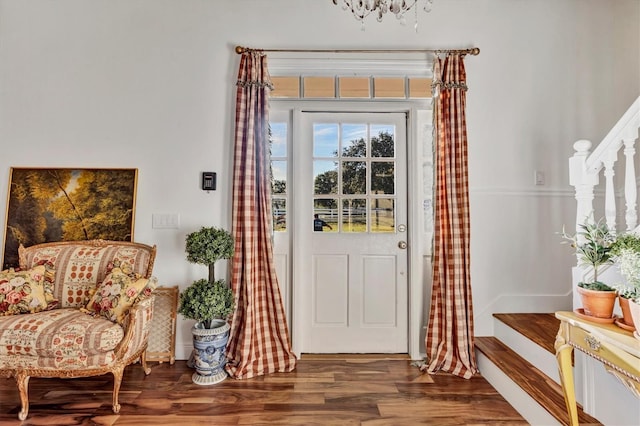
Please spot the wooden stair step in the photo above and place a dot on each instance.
(535, 383)
(539, 328)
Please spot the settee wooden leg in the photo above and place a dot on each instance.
(22, 380)
(117, 380)
(143, 361)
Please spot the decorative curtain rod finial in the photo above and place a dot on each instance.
(241, 49)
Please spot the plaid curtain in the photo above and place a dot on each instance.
(449, 341)
(259, 342)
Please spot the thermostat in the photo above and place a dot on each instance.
(208, 181)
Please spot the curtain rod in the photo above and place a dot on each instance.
(473, 51)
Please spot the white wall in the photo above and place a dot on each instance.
(150, 84)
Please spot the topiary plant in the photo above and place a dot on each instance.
(208, 299)
(205, 302)
(207, 246)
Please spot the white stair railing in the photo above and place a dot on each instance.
(585, 169)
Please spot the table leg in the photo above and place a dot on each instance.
(563, 356)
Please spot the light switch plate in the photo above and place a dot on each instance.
(165, 221)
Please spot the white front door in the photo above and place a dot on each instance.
(350, 254)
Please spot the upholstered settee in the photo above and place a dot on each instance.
(75, 309)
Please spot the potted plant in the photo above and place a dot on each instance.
(209, 302)
(626, 253)
(593, 248)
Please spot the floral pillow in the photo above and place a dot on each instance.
(27, 291)
(118, 292)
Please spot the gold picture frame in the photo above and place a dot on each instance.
(67, 204)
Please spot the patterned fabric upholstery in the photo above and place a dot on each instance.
(61, 338)
(143, 314)
(79, 268)
(67, 342)
(24, 292)
(118, 292)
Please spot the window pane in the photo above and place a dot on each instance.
(325, 215)
(285, 87)
(354, 177)
(319, 87)
(354, 140)
(325, 177)
(354, 87)
(278, 177)
(383, 215)
(278, 139)
(354, 215)
(419, 87)
(382, 177)
(383, 141)
(325, 140)
(389, 87)
(279, 207)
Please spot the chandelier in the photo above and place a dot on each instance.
(363, 8)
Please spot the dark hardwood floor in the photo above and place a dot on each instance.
(323, 390)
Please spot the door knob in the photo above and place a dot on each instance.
(402, 245)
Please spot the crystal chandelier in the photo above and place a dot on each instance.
(363, 8)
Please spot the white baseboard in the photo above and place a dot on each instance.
(183, 351)
(514, 303)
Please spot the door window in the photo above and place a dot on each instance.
(354, 176)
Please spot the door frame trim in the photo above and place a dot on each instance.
(419, 251)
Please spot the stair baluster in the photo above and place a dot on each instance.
(609, 194)
(582, 181)
(630, 187)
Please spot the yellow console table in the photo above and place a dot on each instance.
(614, 347)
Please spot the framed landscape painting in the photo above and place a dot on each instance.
(68, 204)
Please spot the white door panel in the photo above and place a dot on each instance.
(350, 169)
(379, 297)
(330, 288)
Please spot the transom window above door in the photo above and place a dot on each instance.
(336, 87)
(354, 177)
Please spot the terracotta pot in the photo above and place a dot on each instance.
(635, 314)
(626, 311)
(596, 303)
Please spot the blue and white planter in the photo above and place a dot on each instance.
(209, 352)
